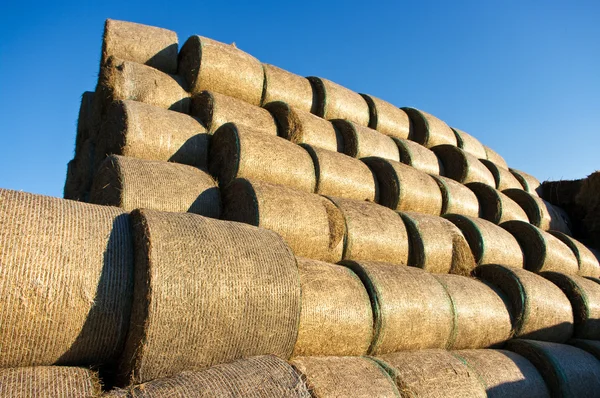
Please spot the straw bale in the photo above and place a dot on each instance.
(588, 198)
(539, 212)
(428, 130)
(419, 157)
(333, 101)
(287, 87)
(495, 157)
(361, 142)
(462, 166)
(388, 119)
(80, 172)
(85, 120)
(495, 206)
(529, 182)
(588, 262)
(504, 178)
(49, 382)
(469, 144)
(457, 198)
(591, 346)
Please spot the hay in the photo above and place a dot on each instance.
(149, 45)
(437, 245)
(214, 110)
(540, 310)
(504, 178)
(469, 144)
(207, 64)
(539, 212)
(148, 184)
(388, 119)
(567, 371)
(588, 262)
(542, 251)
(412, 310)
(49, 382)
(80, 172)
(588, 198)
(242, 152)
(332, 101)
(310, 224)
(66, 281)
(287, 87)
(495, 157)
(342, 176)
(336, 316)
(428, 130)
(529, 182)
(405, 188)
(228, 291)
(336, 377)
(373, 232)
(457, 198)
(495, 206)
(419, 157)
(462, 166)
(591, 346)
(361, 142)
(84, 121)
(561, 193)
(490, 244)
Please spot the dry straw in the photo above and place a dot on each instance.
(588, 199)
(540, 309)
(287, 87)
(387, 118)
(207, 64)
(228, 291)
(495, 206)
(495, 157)
(529, 182)
(462, 166)
(469, 144)
(80, 173)
(428, 130)
(149, 45)
(85, 120)
(542, 251)
(361, 142)
(336, 316)
(332, 101)
(539, 212)
(588, 262)
(419, 157)
(504, 178)
(457, 198)
(66, 281)
(242, 152)
(310, 224)
(49, 382)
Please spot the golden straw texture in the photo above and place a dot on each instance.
(49, 382)
(419, 157)
(361, 142)
(428, 130)
(457, 198)
(469, 144)
(281, 85)
(387, 118)
(333, 101)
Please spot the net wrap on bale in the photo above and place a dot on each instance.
(387, 118)
(49, 382)
(419, 157)
(287, 87)
(428, 130)
(462, 166)
(333, 101)
(495, 206)
(457, 198)
(361, 142)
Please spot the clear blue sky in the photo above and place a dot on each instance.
(522, 76)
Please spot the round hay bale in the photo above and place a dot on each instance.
(242, 152)
(437, 245)
(432, 373)
(49, 381)
(490, 244)
(342, 176)
(66, 281)
(495, 206)
(419, 157)
(462, 166)
(305, 128)
(149, 45)
(568, 371)
(495, 158)
(505, 373)
(228, 291)
(80, 172)
(469, 144)
(428, 130)
(504, 178)
(589, 200)
(412, 310)
(388, 119)
(539, 212)
(405, 188)
(214, 110)
(333, 101)
(588, 262)
(310, 224)
(529, 182)
(373, 232)
(336, 316)
(287, 87)
(84, 120)
(481, 313)
(542, 251)
(591, 346)
(207, 64)
(132, 183)
(540, 310)
(70, 188)
(332, 377)
(361, 142)
(457, 198)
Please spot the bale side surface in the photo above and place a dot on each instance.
(84, 120)
(361, 142)
(588, 262)
(281, 85)
(495, 157)
(457, 198)
(462, 166)
(419, 157)
(591, 346)
(49, 382)
(333, 101)
(428, 130)
(387, 118)
(504, 178)
(529, 182)
(539, 212)
(469, 144)
(589, 199)
(495, 206)
(80, 172)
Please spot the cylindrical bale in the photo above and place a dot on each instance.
(287, 87)
(335, 377)
(405, 188)
(505, 373)
(242, 152)
(333, 101)
(80, 173)
(361, 142)
(336, 316)
(489, 243)
(310, 224)
(432, 373)
(469, 144)
(540, 310)
(437, 245)
(214, 110)
(428, 130)
(412, 310)
(132, 183)
(207, 64)
(495, 157)
(539, 212)
(591, 346)
(541, 250)
(419, 157)
(49, 382)
(373, 232)
(568, 371)
(84, 120)
(457, 198)
(342, 176)
(481, 313)
(588, 262)
(66, 281)
(228, 291)
(504, 178)
(495, 206)
(149, 45)
(529, 182)
(387, 118)
(462, 166)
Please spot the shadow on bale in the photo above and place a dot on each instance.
(165, 53)
(193, 148)
(204, 200)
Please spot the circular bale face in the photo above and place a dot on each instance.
(495, 206)
(284, 86)
(387, 118)
(462, 166)
(428, 130)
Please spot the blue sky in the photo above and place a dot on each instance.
(522, 76)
